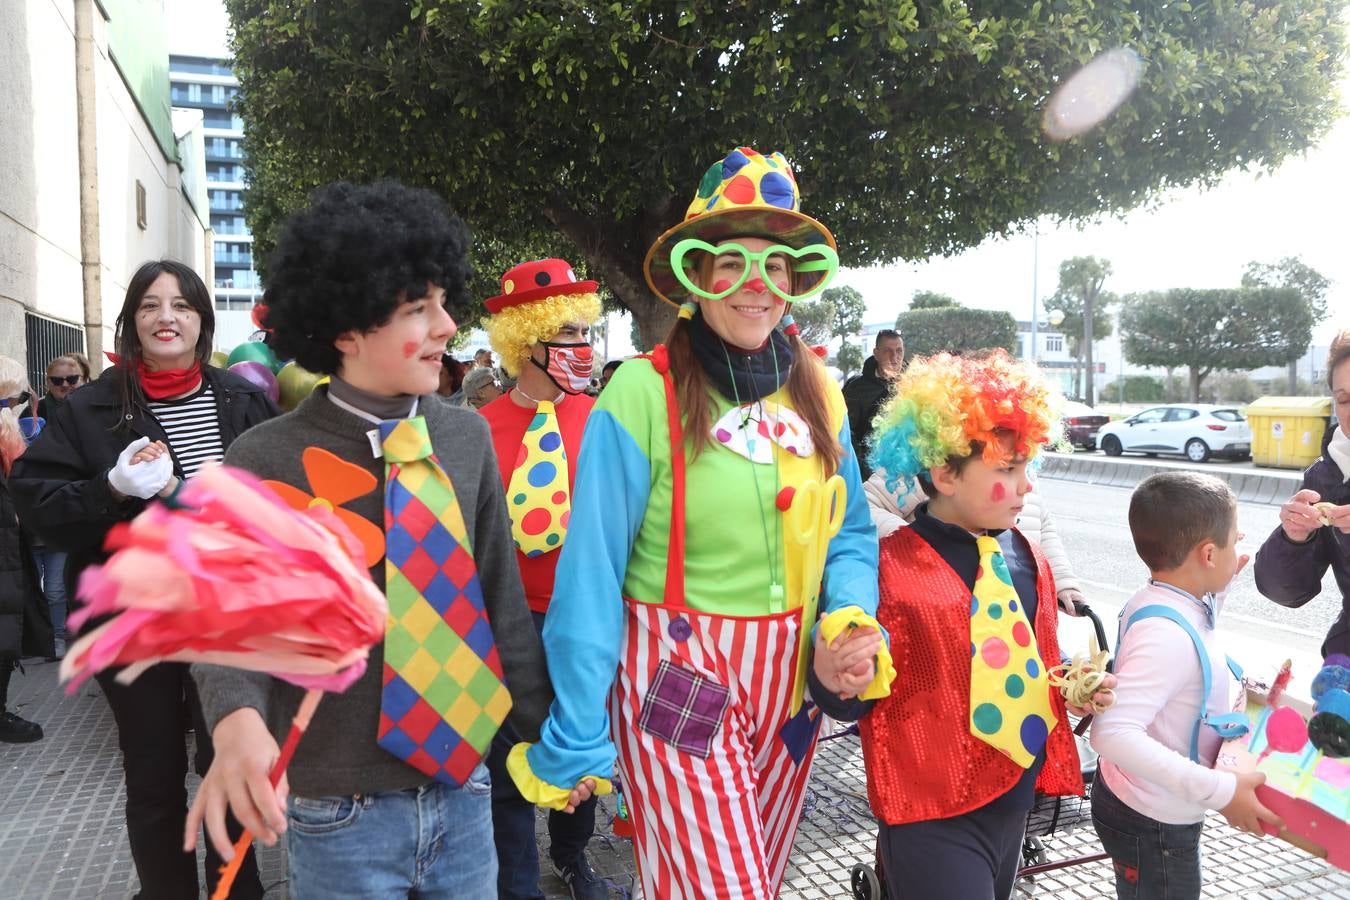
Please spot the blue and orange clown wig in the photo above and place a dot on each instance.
(949, 407)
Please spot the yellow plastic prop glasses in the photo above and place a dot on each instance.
(812, 258)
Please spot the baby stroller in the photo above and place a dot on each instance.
(1050, 815)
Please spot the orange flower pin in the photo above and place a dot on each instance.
(335, 482)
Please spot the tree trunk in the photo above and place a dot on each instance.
(1195, 384)
(1088, 297)
(1293, 377)
(614, 252)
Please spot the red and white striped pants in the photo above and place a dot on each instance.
(713, 793)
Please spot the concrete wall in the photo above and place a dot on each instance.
(39, 192)
(40, 258)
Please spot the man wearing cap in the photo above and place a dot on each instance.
(539, 326)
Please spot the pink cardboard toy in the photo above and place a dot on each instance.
(1307, 784)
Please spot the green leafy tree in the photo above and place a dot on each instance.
(849, 310)
(1135, 389)
(1211, 330)
(850, 358)
(956, 330)
(1081, 298)
(815, 318)
(1311, 284)
(931, 300)
(915, 125)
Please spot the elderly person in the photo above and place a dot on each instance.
(24, 629)
(481, 387)
(1315, 522)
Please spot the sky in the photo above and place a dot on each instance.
(1187, 238)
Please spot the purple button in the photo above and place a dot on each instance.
(680, 629)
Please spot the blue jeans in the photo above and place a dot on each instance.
(51, 565)
(513, 823)
(1153, 860)
(430, 843)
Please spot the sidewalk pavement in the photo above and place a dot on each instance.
(62, 835)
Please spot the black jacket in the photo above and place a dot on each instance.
(863, 395)
(1291, 574)
(60, 484)
(25, 624)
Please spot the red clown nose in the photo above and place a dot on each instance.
(757, 285)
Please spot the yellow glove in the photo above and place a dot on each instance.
(540, 792)
(835, 623)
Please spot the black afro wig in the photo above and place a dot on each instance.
(351, 257)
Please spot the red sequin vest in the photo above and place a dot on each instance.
(922, 761)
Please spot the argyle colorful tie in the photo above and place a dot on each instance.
(1009, 693)
(444, 694)
(538, 498)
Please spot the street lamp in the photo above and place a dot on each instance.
(1053, 318)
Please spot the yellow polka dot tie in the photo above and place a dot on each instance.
(538, 497)
(1009, 693)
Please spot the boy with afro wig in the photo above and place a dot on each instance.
(387, 792)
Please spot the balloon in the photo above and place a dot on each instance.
(1286, 732)
(295, 384)
(220, 359)
(259, 374)
(258, 314)
(256, 351)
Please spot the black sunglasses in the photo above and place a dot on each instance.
(70, 380)
(15, 401)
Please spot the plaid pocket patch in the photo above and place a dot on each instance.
(684, 709)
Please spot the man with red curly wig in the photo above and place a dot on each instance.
(973, 729)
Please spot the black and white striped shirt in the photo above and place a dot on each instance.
(192, 426)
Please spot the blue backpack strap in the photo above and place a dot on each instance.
(1226, 724)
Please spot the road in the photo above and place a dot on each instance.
(1091, 520)
(1180, 462)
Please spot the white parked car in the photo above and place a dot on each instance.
(1195, 430)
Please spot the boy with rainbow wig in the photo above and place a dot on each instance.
(973, 729)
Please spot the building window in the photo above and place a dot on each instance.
(218, 93)
(140, 206)
(194, 93)
(47, 339)
(1054, 343)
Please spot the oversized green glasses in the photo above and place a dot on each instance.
(812, 258)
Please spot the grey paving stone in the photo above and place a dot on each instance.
(63, 837)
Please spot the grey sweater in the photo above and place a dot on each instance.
(338, 754)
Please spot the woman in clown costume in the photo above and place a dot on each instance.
(716, 491)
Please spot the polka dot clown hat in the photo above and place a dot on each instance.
(537, 280)
(748, 194)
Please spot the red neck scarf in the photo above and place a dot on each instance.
(165, 383)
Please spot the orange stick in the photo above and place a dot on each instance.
(230, 870)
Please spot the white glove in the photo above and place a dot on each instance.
(143, 480)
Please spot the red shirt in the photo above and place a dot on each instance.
(508, 420)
